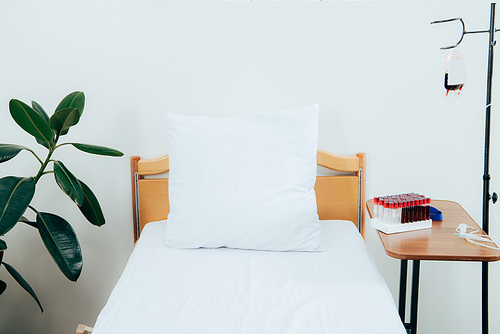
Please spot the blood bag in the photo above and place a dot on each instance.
(454, 72)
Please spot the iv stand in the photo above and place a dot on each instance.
(486, 175)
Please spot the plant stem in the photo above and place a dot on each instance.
(32, 208)
(56, 146)
(44, 165)
(51, 148)
(36, 156)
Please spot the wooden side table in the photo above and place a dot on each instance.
(437, 243)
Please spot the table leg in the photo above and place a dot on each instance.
(402, 289)
(414, 296)
(484, 287)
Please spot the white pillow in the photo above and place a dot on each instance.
(245, 181)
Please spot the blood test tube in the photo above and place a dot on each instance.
(423, 209)
(405, 211)
(429, 200)
(394, 208)
(400, 211)
(386, 215)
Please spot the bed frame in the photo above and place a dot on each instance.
(339, 196)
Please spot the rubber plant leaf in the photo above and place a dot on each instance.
(72, 100)
(30, 121)
(68, 182)
(16, 194)
(61, 242)
(90, 207)
(63, 119)
(3, 245)
(3, 286)
(45, 144)
(22, 282)
(9, 151)
(100, 150)
(38, 108)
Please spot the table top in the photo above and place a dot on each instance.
(439, 242)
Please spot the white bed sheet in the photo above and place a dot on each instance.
(165, 290)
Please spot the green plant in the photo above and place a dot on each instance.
(16, 193)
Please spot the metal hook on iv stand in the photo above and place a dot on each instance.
(486, 176)
(464, 31)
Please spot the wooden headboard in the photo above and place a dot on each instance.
(338, 196)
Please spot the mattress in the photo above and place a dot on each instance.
(165, 290)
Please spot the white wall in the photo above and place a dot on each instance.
(375, 68)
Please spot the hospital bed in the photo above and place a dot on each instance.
(224, 290)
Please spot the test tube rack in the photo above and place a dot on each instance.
(401, 213)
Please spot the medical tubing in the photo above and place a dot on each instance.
(471, 237)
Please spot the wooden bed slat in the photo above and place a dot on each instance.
(341, 163)
(154, 203)
(153, 166)
(332, 161)
(334, 197)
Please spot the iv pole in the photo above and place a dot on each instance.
(486, 175)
